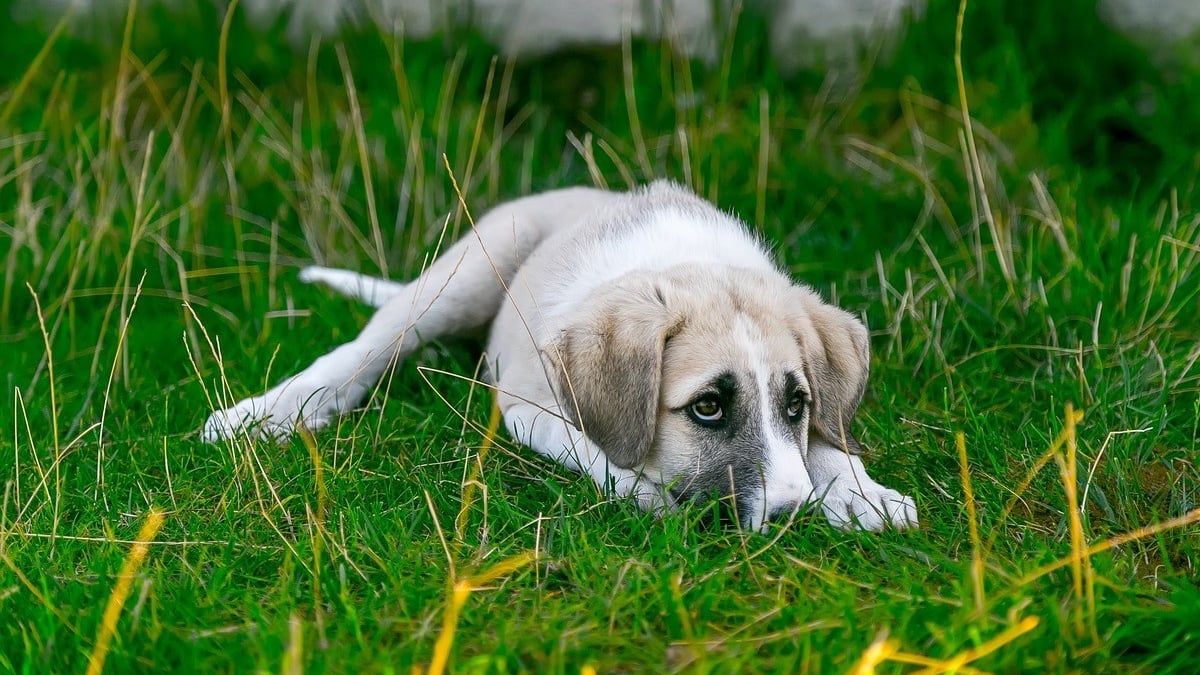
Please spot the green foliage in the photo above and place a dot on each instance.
(157, 215)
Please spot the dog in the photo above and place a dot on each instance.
(645, 339)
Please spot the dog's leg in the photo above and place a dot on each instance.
(371, 291)
(459, 292)
(849, 497)
(544, 430)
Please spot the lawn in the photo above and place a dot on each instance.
(1032, 281)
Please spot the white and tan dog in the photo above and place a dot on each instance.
(646, 339)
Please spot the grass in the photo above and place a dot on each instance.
(158, 191)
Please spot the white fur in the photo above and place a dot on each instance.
(786, 483)
(550, 435)
(529, 268)
(850, 498)
(669, 238)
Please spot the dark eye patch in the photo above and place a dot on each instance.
(714, 406)
(791, 400)
(795, 406)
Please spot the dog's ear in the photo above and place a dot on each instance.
(606, 366)
(837, 347)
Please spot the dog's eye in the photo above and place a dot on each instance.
(795, 407)
(706, 410)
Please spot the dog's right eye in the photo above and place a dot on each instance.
(706, 410)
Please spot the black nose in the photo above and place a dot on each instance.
(783, 511)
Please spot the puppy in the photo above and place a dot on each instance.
(644, 339)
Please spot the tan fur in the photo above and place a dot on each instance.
(609, 367)
(837, 347)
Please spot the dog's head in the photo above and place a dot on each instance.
(712, 383)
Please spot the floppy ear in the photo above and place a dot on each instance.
(838, 349)
(608, 363)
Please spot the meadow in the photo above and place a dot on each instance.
(1014, 214)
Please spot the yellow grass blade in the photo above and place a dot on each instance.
(1186, 519)
(956, 663)
(459, 593)
(1076, 417)
(1081, 568)
(120, 592)
(879, 651)
(293, 657)
(972, 524)
(471, 485)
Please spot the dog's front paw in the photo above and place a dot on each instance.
(248, 418)
(271, 417)
(868, 506)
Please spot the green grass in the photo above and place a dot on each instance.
(152, 215)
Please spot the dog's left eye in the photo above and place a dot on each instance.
(795, 407)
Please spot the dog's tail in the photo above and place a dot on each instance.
(371, 291)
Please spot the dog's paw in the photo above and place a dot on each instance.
(869, 506)
(653, 498)
(248, 418)
(268, 417)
